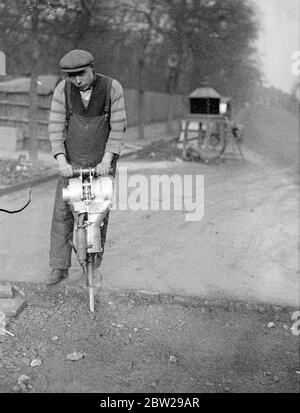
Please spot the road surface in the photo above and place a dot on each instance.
(245, 247)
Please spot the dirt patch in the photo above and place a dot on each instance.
(144, 343)
(160, 150)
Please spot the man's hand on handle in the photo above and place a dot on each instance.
(104, 167)
(65, 169)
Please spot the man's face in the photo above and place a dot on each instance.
(83, 79)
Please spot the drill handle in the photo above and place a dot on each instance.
(82, 171)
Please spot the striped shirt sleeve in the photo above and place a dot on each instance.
(118, 120)
(57, 120)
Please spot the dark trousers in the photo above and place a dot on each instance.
(62, 231)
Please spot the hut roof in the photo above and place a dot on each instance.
(225, 99)
(205, 92)
(22, 85)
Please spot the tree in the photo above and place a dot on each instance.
(172, 81)
(133, 39)
(28, 27)
(212, 38)
(141, 27)
(33, 91)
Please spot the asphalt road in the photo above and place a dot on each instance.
(243, 248)
(274, 135)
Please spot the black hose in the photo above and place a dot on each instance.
(18, 210)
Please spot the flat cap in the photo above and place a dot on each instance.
(76, 60)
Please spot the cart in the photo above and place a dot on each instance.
(207, 129)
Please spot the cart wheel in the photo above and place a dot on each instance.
(212, 147)
(187, 155)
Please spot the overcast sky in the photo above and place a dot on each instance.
(279, 38)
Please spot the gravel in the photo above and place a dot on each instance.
(160, 150)
(174, 342)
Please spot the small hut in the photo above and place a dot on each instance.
(205, 100)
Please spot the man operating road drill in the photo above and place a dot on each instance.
(86, 126)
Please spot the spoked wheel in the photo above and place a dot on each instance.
(212, 146)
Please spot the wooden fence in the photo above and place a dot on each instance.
(14, 107)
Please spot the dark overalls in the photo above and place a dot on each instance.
(87, 131)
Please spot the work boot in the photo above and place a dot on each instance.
(57, 275)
